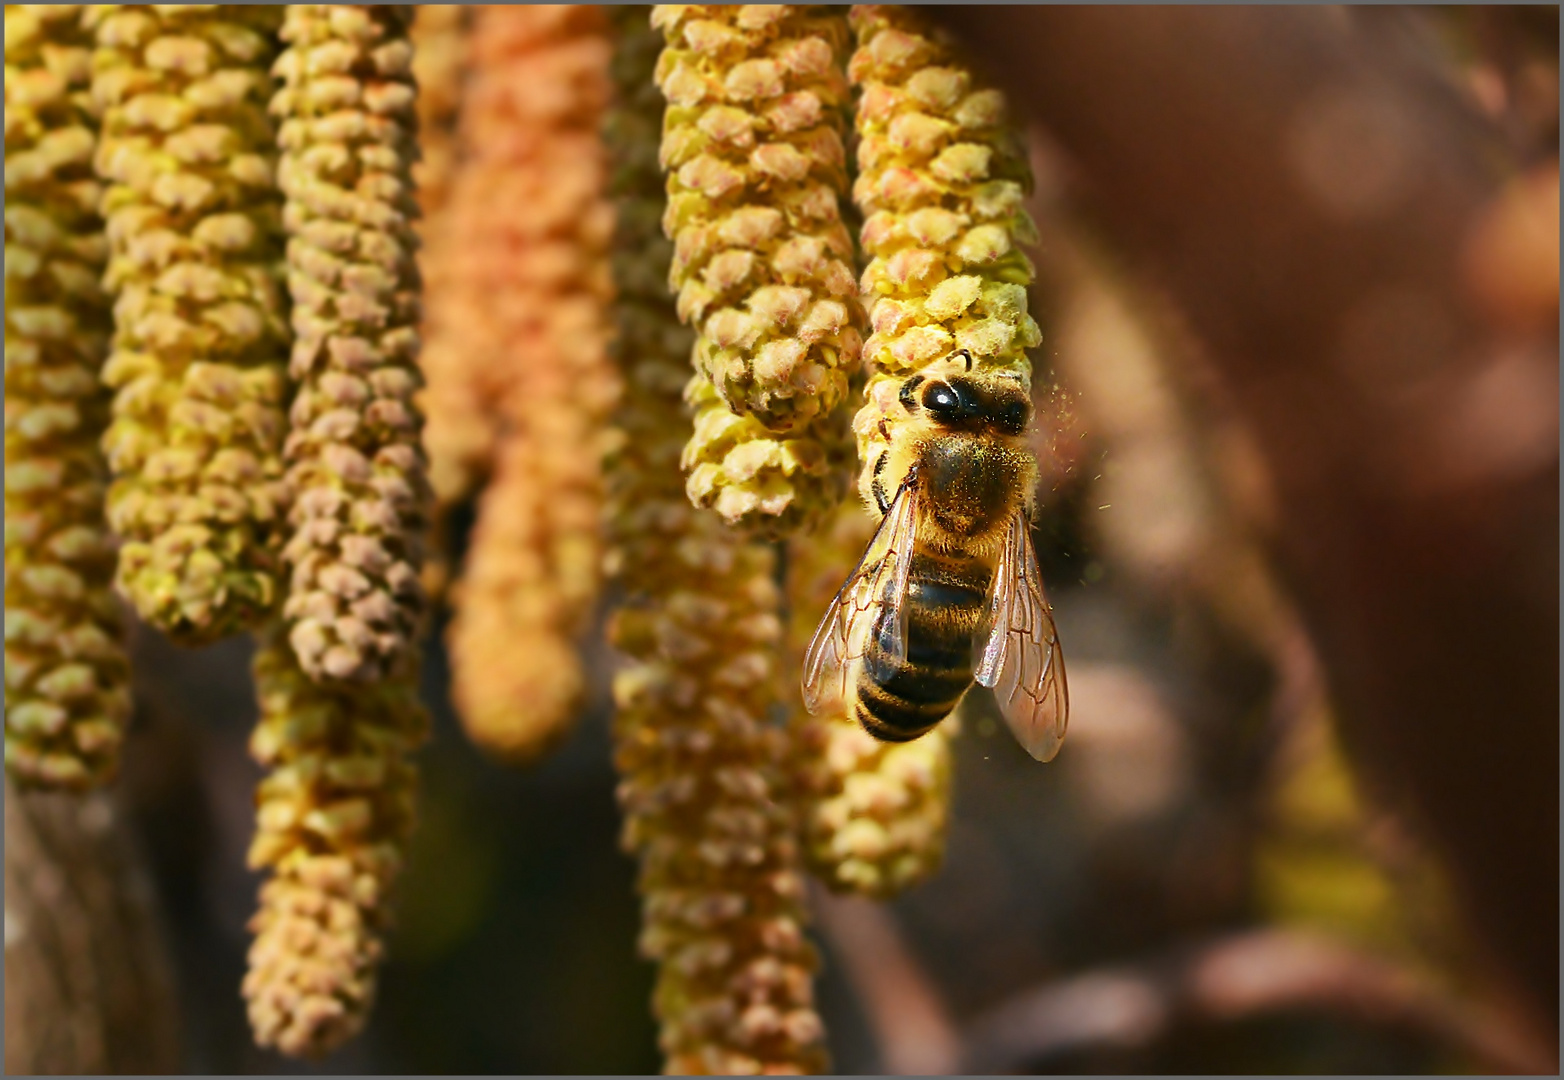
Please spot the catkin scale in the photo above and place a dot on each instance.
(66, 678)
(941, 178)
(333, 818)
(707, 807)
(762, 262)
(356, 476)
(190, 209)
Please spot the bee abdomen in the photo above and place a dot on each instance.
(892, 717)
(899, 700)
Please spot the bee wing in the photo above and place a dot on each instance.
(879, 579)
(1020, 658)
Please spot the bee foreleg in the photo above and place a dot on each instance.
(877, 486)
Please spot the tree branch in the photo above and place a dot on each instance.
(1237, 978)
(88, 984)
(915, 1035)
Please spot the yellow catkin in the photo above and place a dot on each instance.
(356, 477)
(706, 802)
(191, 212)
(752, 145)
(333, 817)
(66, 681)
(941, 177)
(533, 202)
(874, 814)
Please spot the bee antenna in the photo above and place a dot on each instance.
(968, 357)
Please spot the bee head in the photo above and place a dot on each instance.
(968, 403)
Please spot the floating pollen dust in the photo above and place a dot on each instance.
(704, 793)
(192, 219)
(752, 145)
(333, 816)
(874, 815)
(530, 213)
(66, 679)
(941, 177)
(355, 469)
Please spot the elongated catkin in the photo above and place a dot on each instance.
(67, 695)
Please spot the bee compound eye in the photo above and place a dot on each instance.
(1014, 416)
(941, 400)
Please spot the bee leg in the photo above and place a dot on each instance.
(878, 485)
(909, 402)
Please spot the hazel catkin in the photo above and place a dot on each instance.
(191, 212)
(762, 262)
(530, 203)
(873, 815)
(941, 177)
(704, 791)
(356, 477)
(67, 695)
(333, 818)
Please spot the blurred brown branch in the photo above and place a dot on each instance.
(88, 985)
(915, 1034)
(1313, 202)
(1237, 978)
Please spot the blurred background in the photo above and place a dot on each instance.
(1263, 847)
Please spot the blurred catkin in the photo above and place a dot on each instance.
(534, 224)
(763, 264)
(356, 479)
(704, 793)
(940, 181)
(440, 47)
(874, 815)
(191, 212)
(333, 817)
(66, 680)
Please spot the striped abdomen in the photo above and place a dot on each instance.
(945, 601)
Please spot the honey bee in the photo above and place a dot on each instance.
(948, 591)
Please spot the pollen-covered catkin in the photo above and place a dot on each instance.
(356, 478)
(531, 198)
(705, 797)
(67, 694)
(519, 267)
(771, 484)
(763, 264)
(333, 817)
(521, 604)
(191, 213)
(941, 177)
(874, 815)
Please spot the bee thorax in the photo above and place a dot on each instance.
(970, 485)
